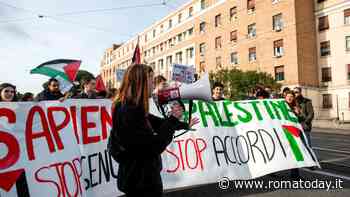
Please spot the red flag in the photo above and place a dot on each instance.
(100, 86)
(136, 58)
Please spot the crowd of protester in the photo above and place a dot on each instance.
(138, 128)
(51, 91)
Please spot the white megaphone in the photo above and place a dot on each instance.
(199, 90)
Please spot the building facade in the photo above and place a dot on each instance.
(333, 43)
(275, 36)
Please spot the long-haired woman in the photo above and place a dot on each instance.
(141, 136)
(8, 92)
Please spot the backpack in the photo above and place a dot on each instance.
(114, 147)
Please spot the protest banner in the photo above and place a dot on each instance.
(183, 73)
(59, 149)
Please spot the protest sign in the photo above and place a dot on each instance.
(59, 149)
(183, 73)
(120, 74)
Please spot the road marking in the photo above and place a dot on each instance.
(331, 150)
(327, 174)
(333, 160)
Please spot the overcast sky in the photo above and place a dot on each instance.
(27, 40)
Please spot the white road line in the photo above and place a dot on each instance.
(333, 160)
(327, 174)
(331, 150)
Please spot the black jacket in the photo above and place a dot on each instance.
(140, 163)
(46, 95)
(307, 113)
(84, 95)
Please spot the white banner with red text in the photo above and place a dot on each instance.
(59, 148)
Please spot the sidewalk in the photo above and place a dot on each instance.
(329, 126)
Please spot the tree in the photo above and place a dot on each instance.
(238, 84)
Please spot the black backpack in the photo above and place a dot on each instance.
(114, 147)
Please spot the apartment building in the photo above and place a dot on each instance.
(274, 36)
(333, 42)
(280, 37)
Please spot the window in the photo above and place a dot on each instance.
(170, 24)
(190, 12)
(320, 1)
(202, 48)
(161, 28)
(179, 18)
(153, 65)
(218, 42)
(189, 53)
(202, 67)
(251, 5)
(169, 60)
(234, 58)
(252, 30)
(277, 22)
(145, 37)
(233, 13)
(161, 47)
(178, 57)
(217, 20)
(327, 101)
(323, 23)
(170, 43)
(161, 64)
(325, 48)
(153, 50)
(179, 37)
(279, 73)
(154, 33)
(202, 4)
(348, 71)
(202, 27)
(185, 34)
(190, 31)
(326, 74)
(347, 43)
(347, 16)
(233, 36)
(218, 62)
(252, 54)
(278, 48)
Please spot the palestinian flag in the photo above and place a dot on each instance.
(65, 68)
(292, 134)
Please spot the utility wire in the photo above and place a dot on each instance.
(82, 12)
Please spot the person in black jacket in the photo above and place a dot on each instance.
(138, 137)
(51, 92)
(88, 89)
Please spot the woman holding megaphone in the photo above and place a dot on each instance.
(138, 138)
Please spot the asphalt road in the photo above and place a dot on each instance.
(333, 152)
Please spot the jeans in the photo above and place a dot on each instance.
(308, 138)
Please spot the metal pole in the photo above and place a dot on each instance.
(337, 108)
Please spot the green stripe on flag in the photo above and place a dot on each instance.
(293, 144)
(49, 72)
